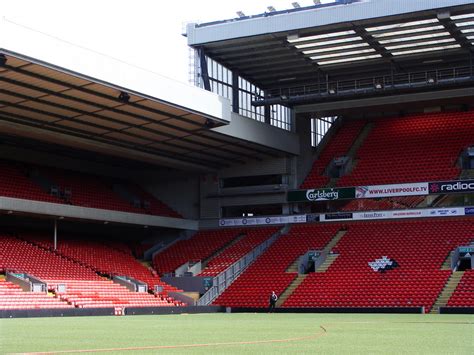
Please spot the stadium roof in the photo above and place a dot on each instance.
(348, 38)
(42, 101)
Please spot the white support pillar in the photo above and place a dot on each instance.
(55, 234)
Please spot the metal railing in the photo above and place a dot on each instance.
(377, 83)
(226, 277)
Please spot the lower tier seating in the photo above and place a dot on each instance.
(463, 296)
(198, 248)
(13, 297)
(106, 293)
(21, 256)
(252, 238)
(359, 277)
(268, 272)
(112, 258)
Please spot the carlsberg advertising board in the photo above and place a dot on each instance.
(321, 194)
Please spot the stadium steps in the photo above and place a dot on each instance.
(327, 263)
(221, 250)
(466, 174)
(335, 240)
(447, 291)
(290, 289)
(352, 152)
(146, 263)
(330, 258)
(447, 263)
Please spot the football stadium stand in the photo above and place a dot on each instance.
(268, 272)
(344, 95)
(419, 248)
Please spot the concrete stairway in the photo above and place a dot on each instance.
(352, 152)
(327, 263)
(299, 279)
(447, 263)
(466, 174)
(290, 289)
(447, 291)
(332, 243)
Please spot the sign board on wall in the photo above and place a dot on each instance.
(313, 195)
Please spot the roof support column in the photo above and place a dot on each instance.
(204, 71)
(235, 91)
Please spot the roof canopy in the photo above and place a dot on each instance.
(359, 39)
(49, 103)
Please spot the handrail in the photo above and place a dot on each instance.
(376, 83)
(226, 277)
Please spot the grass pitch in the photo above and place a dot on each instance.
(242, 334)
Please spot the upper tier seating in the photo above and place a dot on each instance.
(419, 247)
(13, 297)
(88, 190)
(252, 239)
(412, 149)
(463, 296)
(156, 207)
(112, 259)
(82, 190)
(15, 183)
(198, 248)
(268, 273)
(338, 146)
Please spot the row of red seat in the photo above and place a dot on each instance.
(338, 146)
(411, 149)
(463, 296)
(252, 238)
(418, 247)
(83, 189)
(112, 258)
(13, 297)
(77, 264)
(268, 272)
(198, 248)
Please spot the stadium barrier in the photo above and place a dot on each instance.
(172, 310)
(73, 312)
(456, 310)
(414, 310)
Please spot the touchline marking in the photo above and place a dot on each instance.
(156, 347)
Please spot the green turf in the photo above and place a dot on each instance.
(345, 334)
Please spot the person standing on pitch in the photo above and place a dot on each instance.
(273, 301)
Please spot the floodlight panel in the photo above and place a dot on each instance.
(411, 38)
(401, 25)
(330, 49)
(315, 37)
(404, 32)
(463, 16)
(420, 43)
(343, 54)
(353, 59)
(431, 49)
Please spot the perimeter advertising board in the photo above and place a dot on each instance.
(446, 187)
(394, 190)
(313, 195)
